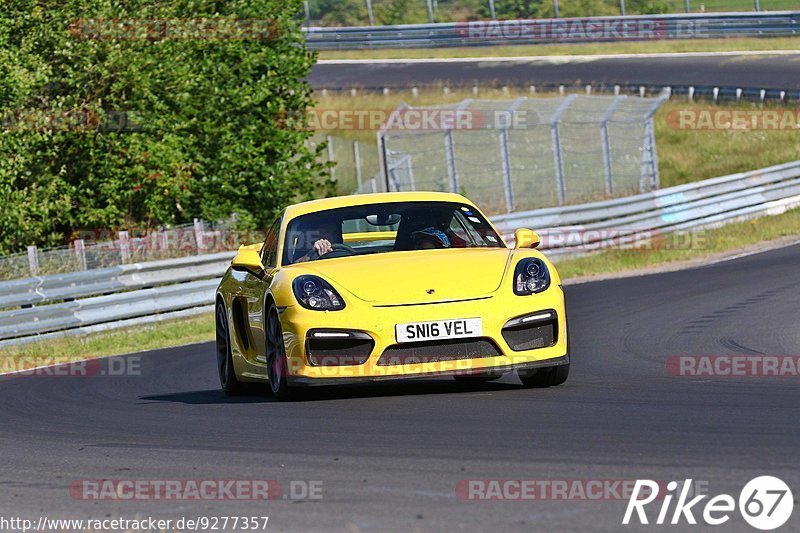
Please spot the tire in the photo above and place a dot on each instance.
(231, 386)
(277, 368)
(552, 376)
(546, 377)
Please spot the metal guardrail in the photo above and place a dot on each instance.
(99, 309)
(587, 227)
(551, 31)
(176, 287)
(44, 289)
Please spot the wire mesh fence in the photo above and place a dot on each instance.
(388, 12)
(526, 153)
(508, 155)
(102, 249)
(357, 168)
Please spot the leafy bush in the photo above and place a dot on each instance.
(119, 132)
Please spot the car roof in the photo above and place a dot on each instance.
(324, 204)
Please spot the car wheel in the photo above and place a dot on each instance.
(549, 376)
(227, 375)
(546, 377)
(277, 368)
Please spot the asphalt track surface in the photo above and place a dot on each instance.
(738, 70)
(390, 456)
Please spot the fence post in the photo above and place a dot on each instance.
(450, 156)
(199, 234)
(607, 170)
(505, 154)
(410, 168)
(430, 11)
(450, 149)
(331, 156)
(383, 164)
(383, 160)
(622, 7)
(163, 240)
(80, 252)
(124, 247)
(688, 7)
(492, 13)
(369, 13)
(505, 160)
(650, 176)
(558, 156)
(357, 158)
(33, 260)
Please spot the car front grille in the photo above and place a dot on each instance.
(434, 351)
(353, 350)
(531, 336)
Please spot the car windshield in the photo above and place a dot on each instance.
(382, 228)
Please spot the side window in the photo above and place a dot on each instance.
(269, 252)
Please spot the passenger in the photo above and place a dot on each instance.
(430, 239)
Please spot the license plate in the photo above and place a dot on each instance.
(439, 329)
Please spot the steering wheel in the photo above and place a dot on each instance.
(337, 250)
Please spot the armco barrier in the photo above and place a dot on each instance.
(703, 203)
(183, 287)
(98, 309)
(29, 291)
(551, 31)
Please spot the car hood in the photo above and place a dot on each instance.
(398, 278)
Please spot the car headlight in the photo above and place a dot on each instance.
(315, 293)
(531, 276)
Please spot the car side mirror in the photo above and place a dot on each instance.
(526, 238)
(248, 260)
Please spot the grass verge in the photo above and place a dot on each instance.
(704, 244)
(686, 249)
(138, 338)
(567, 49)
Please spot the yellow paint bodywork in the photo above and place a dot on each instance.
(382, 290)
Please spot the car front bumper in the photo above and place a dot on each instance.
(378, 323)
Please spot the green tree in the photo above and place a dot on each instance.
(338, 12)
(204, 135)
(391, 12)
(514, 9)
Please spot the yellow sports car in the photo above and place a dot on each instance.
(386, 286)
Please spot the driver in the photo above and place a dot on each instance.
(329, 233)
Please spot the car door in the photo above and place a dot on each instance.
(255, 289)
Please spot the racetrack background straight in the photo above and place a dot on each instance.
(389, 457)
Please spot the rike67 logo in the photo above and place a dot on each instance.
(766, 503)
